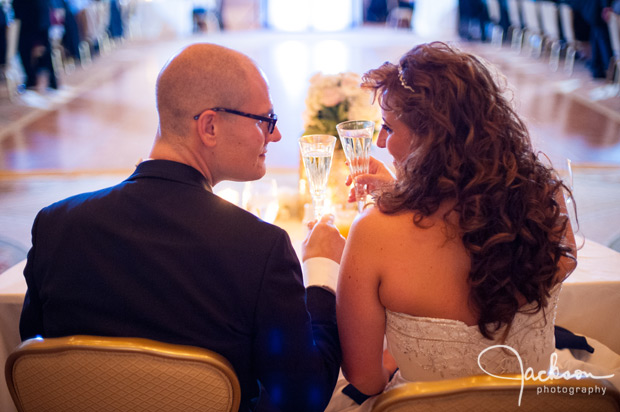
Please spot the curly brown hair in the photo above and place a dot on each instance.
(471, 148)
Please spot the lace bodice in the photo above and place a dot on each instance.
(431, 349)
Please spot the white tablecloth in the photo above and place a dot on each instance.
(12, 290)
(588, 303)
(590, 297)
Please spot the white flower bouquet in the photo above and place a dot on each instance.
(337, 98)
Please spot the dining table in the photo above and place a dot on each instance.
(587, 305)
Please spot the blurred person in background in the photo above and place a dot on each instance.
(592, 12)
(34, 46)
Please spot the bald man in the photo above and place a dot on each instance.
(159, 256)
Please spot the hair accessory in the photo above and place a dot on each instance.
(402, 79)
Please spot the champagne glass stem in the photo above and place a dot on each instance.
(318, 201)
(567, 177)
(360, 205)
(360, 196)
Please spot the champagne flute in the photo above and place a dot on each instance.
(317, 151)
(565, 172)
(356, 139)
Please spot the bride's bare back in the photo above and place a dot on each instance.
(421, 271)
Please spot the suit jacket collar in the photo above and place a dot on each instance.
(170, 170)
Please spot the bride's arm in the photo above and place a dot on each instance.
(361, 316)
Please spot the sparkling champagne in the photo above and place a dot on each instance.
(357, 150)
(317, 151)
(356, 139)
(317, 166)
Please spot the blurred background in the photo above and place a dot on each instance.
(77, 107)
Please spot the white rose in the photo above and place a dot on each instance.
(332, 96)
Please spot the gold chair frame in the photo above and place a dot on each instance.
(94, 373)
(487, 393)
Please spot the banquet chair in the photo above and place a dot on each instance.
(487, 393)
(205, 16)
(533, 27)
(9, 70)
(551, 29)
(399, 17)
(495, 15)
(614, 35)
(94, 373)
(568, 30)
(516, 24)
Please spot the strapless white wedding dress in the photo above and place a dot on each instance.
(431, 349)
(427, 349)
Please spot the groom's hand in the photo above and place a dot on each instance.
(323, 240)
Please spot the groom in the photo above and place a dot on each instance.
(160, 256)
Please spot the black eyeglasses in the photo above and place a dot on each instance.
(271, 119)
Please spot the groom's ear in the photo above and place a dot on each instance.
(207, 127)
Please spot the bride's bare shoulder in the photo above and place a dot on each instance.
(406, 225)
(373, 220)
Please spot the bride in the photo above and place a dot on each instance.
(465, 248)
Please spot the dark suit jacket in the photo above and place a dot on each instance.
(159, 256)
(591, 10)
(34, 14)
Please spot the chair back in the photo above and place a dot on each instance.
(614, 35)
(91, 373)
(514, 13)
(568, 31)
(531, 16)
(10, 69)
(487, 393)
(495, 14)
(399, 17)
(550, 19)
(568, 28)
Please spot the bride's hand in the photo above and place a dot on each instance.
(378, 176)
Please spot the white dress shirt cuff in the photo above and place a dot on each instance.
(320, 271)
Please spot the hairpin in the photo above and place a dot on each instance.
(402, 79)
